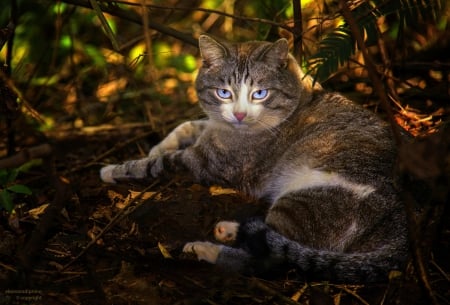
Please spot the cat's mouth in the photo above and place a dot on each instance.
(240, 124)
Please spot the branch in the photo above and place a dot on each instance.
(210, 11)
(298, 30)
(135, 18)
(26, 155)
(371, 68)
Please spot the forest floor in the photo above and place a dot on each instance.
(87, 242)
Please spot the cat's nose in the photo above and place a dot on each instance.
(240, 115)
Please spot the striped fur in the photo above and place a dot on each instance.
(323, 163)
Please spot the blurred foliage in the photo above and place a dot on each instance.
(9, 188)
(338, 46)
(64, 63)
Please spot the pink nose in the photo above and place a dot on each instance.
(240, 116)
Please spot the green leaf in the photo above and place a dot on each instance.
(6, 200)
(20, 189)
(12, 175)
(3, 176)
(26, 166)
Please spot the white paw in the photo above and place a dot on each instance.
(204, 250)
(226, 231)
(106, 173)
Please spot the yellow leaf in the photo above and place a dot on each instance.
(36, 212)
(217, 190)
(144, 196)
(164, 251)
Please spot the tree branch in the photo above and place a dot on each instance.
(200, 9)
(297, 31)
(371, 68)
(135, 18)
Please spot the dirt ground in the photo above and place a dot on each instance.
(121, 244)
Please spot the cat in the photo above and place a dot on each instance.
(323, 163)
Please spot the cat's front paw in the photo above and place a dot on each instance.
(226, 231)
(106, 173)
(204, 250)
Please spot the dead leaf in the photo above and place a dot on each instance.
(36, 212)
(217, 190)
(144, 196)
(164, 251)
(296, 296)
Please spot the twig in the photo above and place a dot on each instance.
(444, 274)
(6, 33)
(272, 292)
(26, 155)
(8, 267)
(210, 11)
(116, 147)
(371, 68)
(31, 111)
(105, 24)
(297, 31)
(36, 241)
(133, 17)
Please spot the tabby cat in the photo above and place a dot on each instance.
(322, 162)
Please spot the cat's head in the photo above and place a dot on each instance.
(251, 86)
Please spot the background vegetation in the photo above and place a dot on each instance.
(84, 82)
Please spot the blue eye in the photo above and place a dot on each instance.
(223, 93)
(260, 94)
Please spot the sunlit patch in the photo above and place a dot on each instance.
(308, 178)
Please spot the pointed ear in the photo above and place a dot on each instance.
(278, 53)
(212, 51)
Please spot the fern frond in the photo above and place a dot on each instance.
(336, 48)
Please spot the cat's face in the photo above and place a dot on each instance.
(249, 85)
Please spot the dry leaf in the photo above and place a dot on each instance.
(217, 190)
(164, 251)
(296, 296)
(36, 212)
(144, 196)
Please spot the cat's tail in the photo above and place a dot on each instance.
(260, 249)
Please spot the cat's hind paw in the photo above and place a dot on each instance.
(106, 173)
(204, 250)
(226, 231)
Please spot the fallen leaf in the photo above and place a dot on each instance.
(144, 196)
(217, 190)
(164, 251)
(36, 212)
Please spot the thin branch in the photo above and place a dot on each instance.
(371, 67)
(210, 11)
(297, 31)
(26, 155)
(135, 18)
(105, 24)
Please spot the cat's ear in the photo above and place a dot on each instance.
(212, 51)
(278, 53)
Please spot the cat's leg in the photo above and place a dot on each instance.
(239, 258)
(182, 136)
(233, 259)
(150, 167)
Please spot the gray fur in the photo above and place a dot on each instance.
(324, 164)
